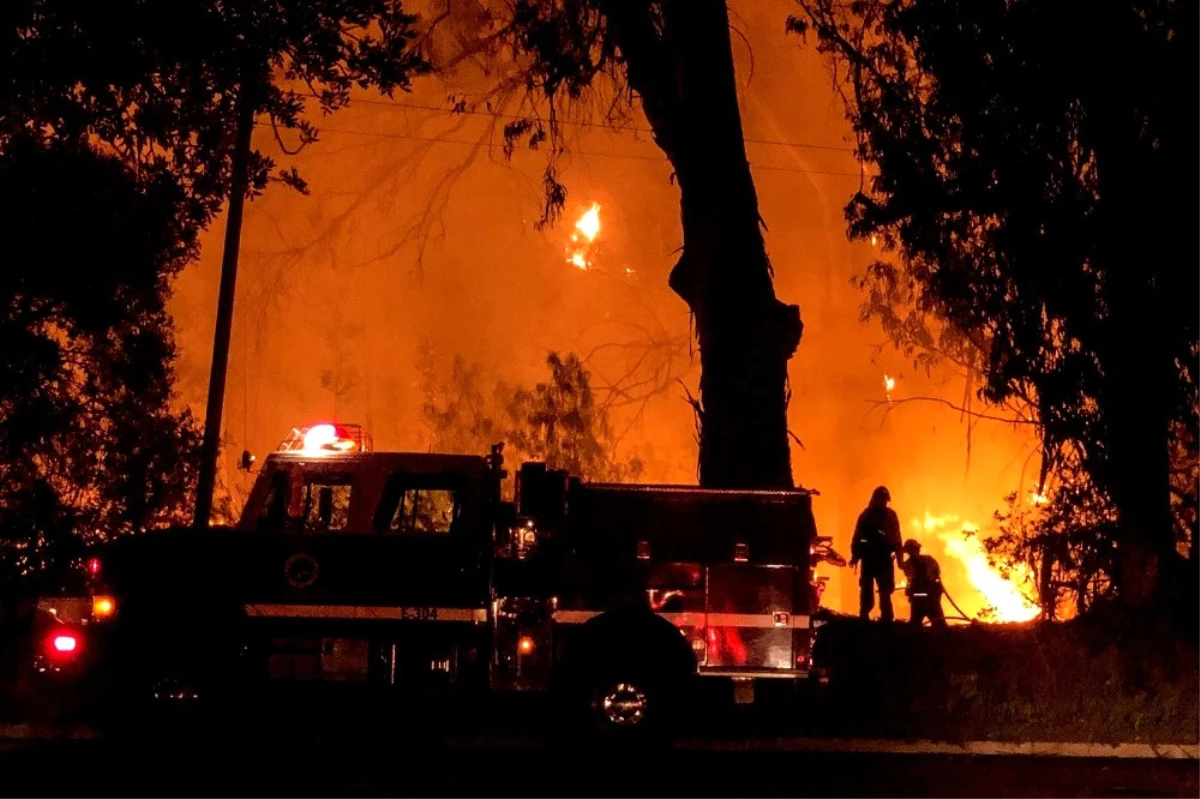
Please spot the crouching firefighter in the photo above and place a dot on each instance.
(876, 540)
(924, 589)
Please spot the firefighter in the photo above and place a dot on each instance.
(924, 586)
(876, 540)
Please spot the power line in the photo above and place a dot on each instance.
(590, 154)
(497, 115)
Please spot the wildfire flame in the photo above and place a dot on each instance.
(889, 383)
(998, 592)
(586, 230)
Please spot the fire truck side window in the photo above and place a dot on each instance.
(326, 502)
(417, 508)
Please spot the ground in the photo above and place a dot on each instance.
(302, 764)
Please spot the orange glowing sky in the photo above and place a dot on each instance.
(414, 230)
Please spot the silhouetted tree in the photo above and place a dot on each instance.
(1035, 172)
(460, 414)
(675, 57)
(90, 443)
(159, 83)
(557, 422)
(1067, 543)
(118, 125)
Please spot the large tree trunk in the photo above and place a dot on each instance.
(1139, 471)
(681, 66)
(1136, 351)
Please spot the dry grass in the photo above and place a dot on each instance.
(1096, 680)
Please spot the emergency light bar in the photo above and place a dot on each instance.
(327, 439)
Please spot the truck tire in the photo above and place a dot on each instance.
(629, 706)
(625, 679)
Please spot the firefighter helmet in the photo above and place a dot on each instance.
(881, 493)
(912, 546)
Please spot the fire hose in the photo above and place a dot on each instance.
(961, 614)
(955, 604)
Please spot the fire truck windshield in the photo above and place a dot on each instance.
(418, 506)
(307, 502)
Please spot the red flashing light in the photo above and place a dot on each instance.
(93, 566)
(65, 643)
(327, 439)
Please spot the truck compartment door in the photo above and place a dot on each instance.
(748, 616)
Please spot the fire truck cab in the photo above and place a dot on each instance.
(409, 571)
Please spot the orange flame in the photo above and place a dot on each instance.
(586, 230)
(998, 592)
(889, 383)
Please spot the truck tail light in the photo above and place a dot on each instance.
(63, 645)
(525, 645)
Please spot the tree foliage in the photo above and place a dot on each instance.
(117, 128)
(1033, 171)
(1068, 543)
(89, 441)
(557, 422)
(158, 82)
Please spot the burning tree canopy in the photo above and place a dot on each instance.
(1015, 155)
(586, 230)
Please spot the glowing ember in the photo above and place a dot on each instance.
(998, 592)
(1036, 498)
(586, 230)
(889, 383)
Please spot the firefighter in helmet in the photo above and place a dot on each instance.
(924, 586)
(876, 540)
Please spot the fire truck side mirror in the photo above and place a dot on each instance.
(247, 460)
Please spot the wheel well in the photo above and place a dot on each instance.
(630, 637)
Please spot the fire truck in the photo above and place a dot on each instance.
(392, 572)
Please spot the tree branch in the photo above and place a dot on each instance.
(888, 405)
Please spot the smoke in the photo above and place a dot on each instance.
(417, 229)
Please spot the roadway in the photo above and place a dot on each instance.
(403, 762)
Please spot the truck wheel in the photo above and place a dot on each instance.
(628, 706)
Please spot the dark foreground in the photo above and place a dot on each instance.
(306, 764)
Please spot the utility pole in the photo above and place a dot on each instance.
(239, 183)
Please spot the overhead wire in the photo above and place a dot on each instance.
(604, 125)
(587, 153)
